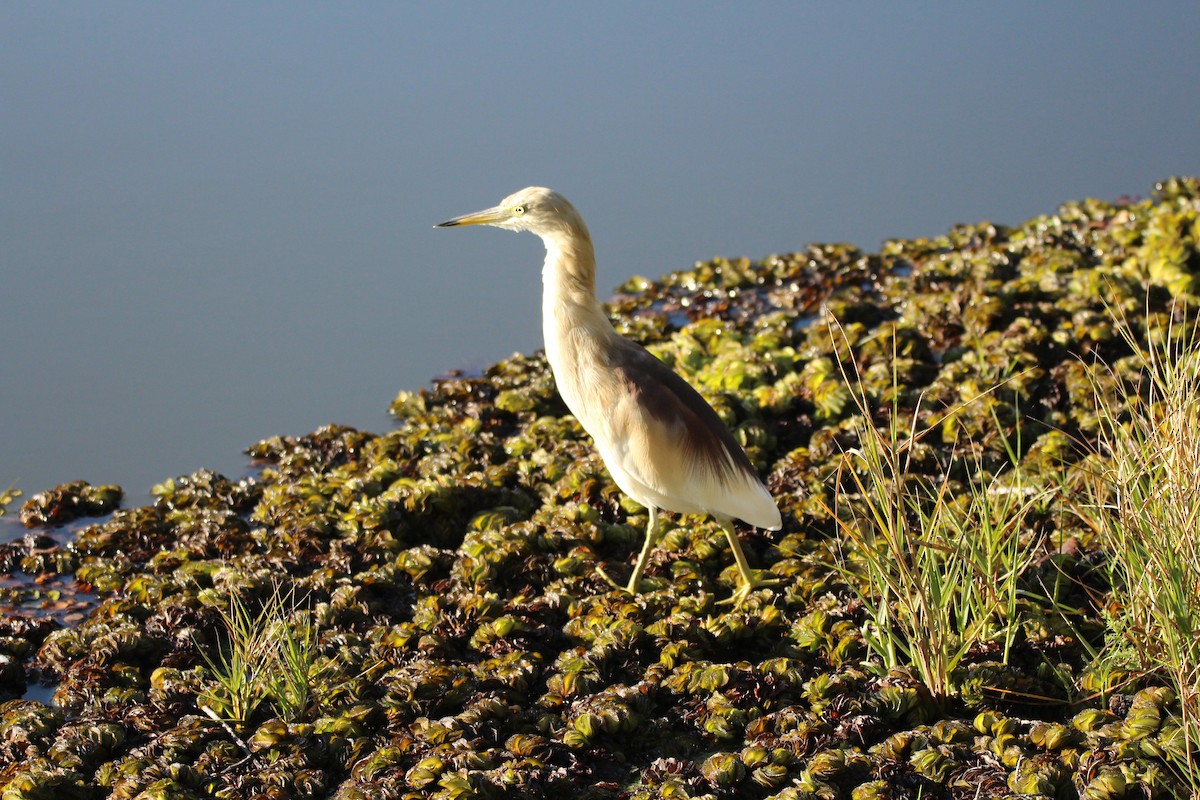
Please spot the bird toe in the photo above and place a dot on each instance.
(746, 586)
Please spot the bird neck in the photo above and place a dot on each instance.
(569, 273)
(572, 320)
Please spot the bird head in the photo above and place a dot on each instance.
(534, 209)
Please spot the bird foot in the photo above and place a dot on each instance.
(747, 585)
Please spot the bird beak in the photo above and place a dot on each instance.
(489, 216)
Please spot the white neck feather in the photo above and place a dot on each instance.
(569, 305)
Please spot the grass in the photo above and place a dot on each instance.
(1145, 504)
(295, 652)
(261, 657)
(938, 570)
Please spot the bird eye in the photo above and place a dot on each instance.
(519, 210)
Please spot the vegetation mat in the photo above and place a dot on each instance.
(417, 613)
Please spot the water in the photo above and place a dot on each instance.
(39, 693)
(216, 219)
(11, 528)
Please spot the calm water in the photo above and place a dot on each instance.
(215, 219)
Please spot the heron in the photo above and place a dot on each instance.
(663, 444)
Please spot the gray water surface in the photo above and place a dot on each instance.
(216, 219)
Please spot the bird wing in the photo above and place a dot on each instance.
(662, 442)
(673, 435)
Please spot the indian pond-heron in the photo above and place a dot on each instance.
(663, 444)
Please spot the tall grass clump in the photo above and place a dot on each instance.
(1145, 505)
(938, 568)
(261, 657)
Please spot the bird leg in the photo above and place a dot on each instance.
(749, 582)
(643, 557)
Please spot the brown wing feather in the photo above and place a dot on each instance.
(707, 442)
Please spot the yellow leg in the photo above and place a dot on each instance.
(749, 582)
(643, 557)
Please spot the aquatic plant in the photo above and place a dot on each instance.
(66, 502)
(7, 496)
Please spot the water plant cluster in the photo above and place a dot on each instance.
(417, 613)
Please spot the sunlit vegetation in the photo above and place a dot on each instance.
(984, 446)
